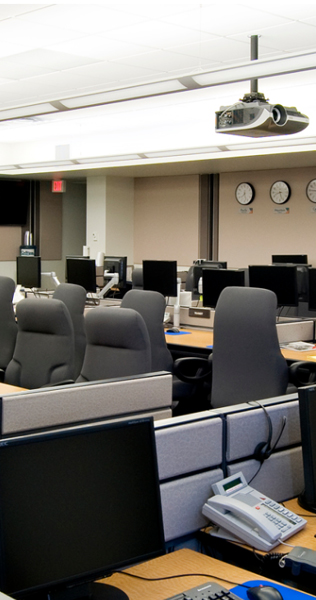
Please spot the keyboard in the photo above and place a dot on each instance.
(206, 591)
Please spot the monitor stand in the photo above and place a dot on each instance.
(88, 591)
(105, 591)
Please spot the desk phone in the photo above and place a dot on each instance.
(244, 514)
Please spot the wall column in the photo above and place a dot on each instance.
(110, 216)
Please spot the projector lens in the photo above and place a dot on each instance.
(279, 114)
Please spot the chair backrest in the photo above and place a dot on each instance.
(74, 296)
(189, 282)
(44, 349)
(8, 326)
(118, 344)
(151, 305)
(247, 361)
(137, 278)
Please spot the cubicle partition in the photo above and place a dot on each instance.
(257, 426)
(195, 451)
(189, 461)
(83, 402)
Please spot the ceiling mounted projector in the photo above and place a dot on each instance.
(253, 116)
(258, 118)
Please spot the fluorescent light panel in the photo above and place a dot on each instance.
(102, 159)
(161, 87)
(27, 111)
(257, 69)
(181, 152)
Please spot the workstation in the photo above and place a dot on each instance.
(149, 181)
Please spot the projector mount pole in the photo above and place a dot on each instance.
(254, 94)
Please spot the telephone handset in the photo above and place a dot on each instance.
(244, 514)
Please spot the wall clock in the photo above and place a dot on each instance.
(244, 193)
(280, 192)
(311, 190)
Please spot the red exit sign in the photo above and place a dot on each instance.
(58, 186)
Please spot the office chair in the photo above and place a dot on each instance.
(151, 306)
(118, 344)
(137, 278)
(246, 363)
(8, 326)
(44, 349)
(74, 296)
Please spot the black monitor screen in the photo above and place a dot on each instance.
(307, 411)
(197, 273)
(160, 276)
(117, 264)
(28, 271)
(82, 271)
(297, 259)
(215, 280)
(15, 199)
(312, 289)
(76, 504)
(282, 280)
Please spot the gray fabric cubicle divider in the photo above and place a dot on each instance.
(281, 475)
(190, 455)
(61, 405)
(247, 427)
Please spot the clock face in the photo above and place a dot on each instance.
(245, 193)
(311, 190)
(280, 192)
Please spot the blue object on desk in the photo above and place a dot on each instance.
(211, 346)
(178, 332)
(287, 593)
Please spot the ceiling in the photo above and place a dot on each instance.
(58, 53)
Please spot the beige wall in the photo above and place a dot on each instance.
(253, 238)
(166, 219)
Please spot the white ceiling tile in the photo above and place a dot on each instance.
(84, 18)
(13, 70)
(156, 34)
(289, 38)
(13, 10)
(100, 47)
(164, 61)
(236, 19)
(50, 59)
(218, 50)
(31, 35)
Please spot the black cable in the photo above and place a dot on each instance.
(181, 575)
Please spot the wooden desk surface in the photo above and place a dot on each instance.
(202, 338)
(6, 388)
(177, 563)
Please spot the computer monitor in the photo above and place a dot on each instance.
(117, 264)
(160, 276)
(28, 271)
(197, 273)
(297, 259)
(311, 289)
(307, 410)
(75, 505)
(215, 280)
(282, 280)
(82, 271)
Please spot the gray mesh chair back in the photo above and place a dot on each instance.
(74, 296)
(151, 306)
(137, 278)
(8, 326)
(247, 363)
(118, 344)
(44, 349)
